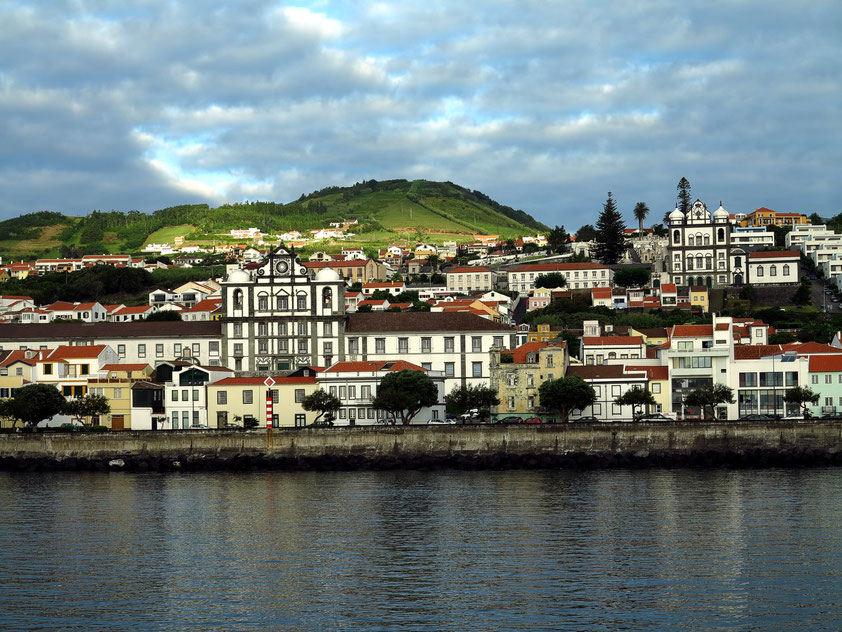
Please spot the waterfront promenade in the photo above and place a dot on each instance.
(558, 445)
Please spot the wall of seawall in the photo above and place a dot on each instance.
(560, 445)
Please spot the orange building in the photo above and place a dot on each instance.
(767, 217)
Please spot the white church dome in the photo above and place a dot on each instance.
(328, 274)
(238, 276)
(676, 215)
(720, 213)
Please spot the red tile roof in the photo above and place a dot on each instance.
(519, 354)
(373, 365)
(124, 367)
(652, 372)
(65, 352)
(755, 352)
(668, 288)
(259, 381)
(825, 363)
(560, 267)
(467, 270)
(775, 254)
(601, 292)
(691, 331)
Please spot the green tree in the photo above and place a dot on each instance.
(433, 261)
(803, 295)
(640, 213)
(321, 401)
(803, 396)
(610, 239)
(586, 233)
(36, 402)
(565, 395)
(631, 277)
(551, 280)
(708, 397)
(557, 239)
(683, 198)
(637, 398)
(463, 398)
(87, 406)
(404, 393)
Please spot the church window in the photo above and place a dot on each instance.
(786, 270)
(760, 271)
(238, 299)
(773, 270)
(327, 297)
(721, 234)
(707, 240)
(691, 241)
(676, 236)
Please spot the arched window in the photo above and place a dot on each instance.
(721, 234)
(262, 302)
(738, 262)
(689, 263)
(707, 240)
(786, 270)
(708, 262)
(690, 241)
(773, 270)
(699, 262)
(760, 271)
(238, 299)
(676, 236)
(612, 354)
(698, 239)
(327, 297)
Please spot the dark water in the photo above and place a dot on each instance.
(614, 550)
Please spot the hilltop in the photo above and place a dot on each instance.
(386, 211)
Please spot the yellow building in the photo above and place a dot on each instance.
(17, 369)
(116, 387)
(699, 298)
(659, 385)
(518, 374)
(767, 217)
(543, 333)
(235, 400)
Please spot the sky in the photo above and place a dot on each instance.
(543, 105)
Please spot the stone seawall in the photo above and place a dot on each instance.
(737, 444)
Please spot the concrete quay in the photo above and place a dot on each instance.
(713, 444)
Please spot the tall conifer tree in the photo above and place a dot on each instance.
(683, 195)
(610, 240)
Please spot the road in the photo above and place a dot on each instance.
(820, 298)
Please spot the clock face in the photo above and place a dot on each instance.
(281, 266)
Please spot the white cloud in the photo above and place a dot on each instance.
(544, 106)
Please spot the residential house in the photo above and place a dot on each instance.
(470, 279)
(242, 401)
(518, 374)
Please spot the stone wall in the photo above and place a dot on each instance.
(570, 445)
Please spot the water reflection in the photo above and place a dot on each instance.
(653, 550)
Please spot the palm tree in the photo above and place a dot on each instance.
(640, 213)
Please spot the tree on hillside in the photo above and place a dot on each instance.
(557, 239)
(637, 398)
(551, 280)
(803, 396)
(640, 213)
(586, 233)
(36, 402)
(803, 295)
(322, 402)
(631, 277)
(404, 393)
(610, 240)
(708, 397)
(565, 395)
(167, 314)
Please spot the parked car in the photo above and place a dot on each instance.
(655, 417)
(473, 413)
(198, 427)
(321, 423)
(533, 420)
(589, 419)
(441, 422)
(511, 419)
(755, 417)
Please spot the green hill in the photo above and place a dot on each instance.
(386, 211)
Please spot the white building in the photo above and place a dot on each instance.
(752, 236)
(470, 279)
(578, 275)
(356, 384)
(699, 251)
(773, 267)
(279, 318)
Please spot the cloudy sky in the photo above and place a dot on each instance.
(543, 105)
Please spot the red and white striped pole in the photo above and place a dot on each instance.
(269, 409)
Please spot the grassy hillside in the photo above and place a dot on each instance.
(389, 210)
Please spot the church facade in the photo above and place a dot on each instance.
(699, 250)
(278, 318)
